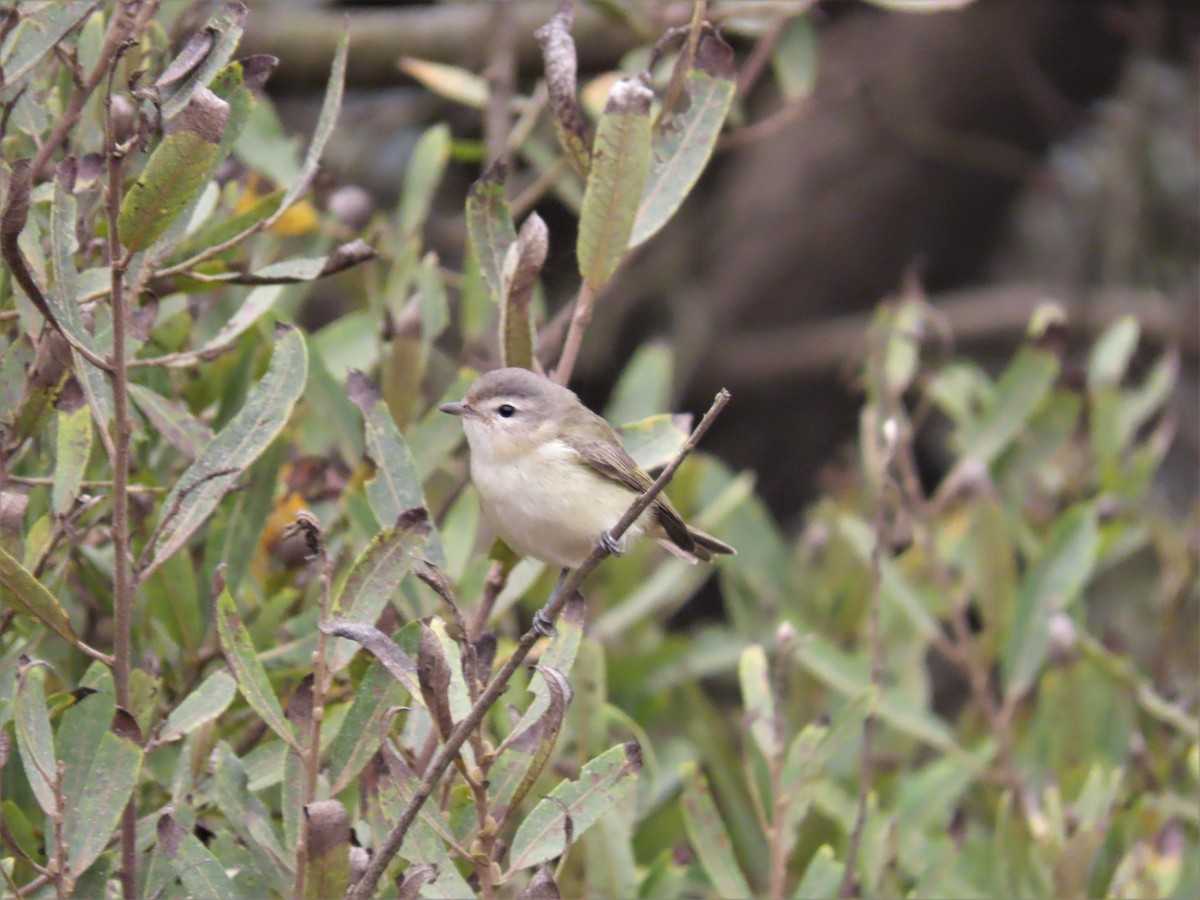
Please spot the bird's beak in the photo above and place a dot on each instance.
(458, 409)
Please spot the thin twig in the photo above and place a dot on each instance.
(500, 75)
(875, 652)
(580, 319)
(684, 64)
(119, 375)
(365, 886)
(497, 578)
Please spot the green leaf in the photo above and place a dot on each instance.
(39, 29)
(92, 819)
(644, 386)
(226, 26)
(574, 806)
(173, 420)
(452, 82)
(63, 296)
(201, 873)
(175, 173)
(759, 702)
(359, 736)
(78, 737)
(425, 169)
(822, 877)
(490, 230)
(396, 486)
(709, 837)
(683, 144)
(199, 490)
(375, 577)
(257, 303)
(654, 441)
(523, 755)
(794, 59)
(30, 595)
(248, 668)
(522, 265)
(331, 108)
(1020, 390)
(1056, 579)
(247, 815)
(620, 163)
(74, 446)
(204, 704)
(35, 742)
(1110, 356)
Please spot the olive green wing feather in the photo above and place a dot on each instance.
(610, 459)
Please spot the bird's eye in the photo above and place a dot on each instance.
(506, 410)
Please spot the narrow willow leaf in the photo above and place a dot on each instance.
(1056, 579)
(38, 31)
(63, 296)
(175, 173)
(327, 871)
(1111, 354)
(90, 821)
(225, 27)
(574, 806)
(74, 446)
(653, 442)
(522, 265)
(396, 486)
(204, 704)
(359, 737)
(433, 674)
(709, 837)
(1018, 393)
(376, 575)
(822, 877)
(421, 179)
(248, 668)
(434, 308)
(848, 676)
(290, 271)
(172, 419)
(620, 164)
(32, 597)
(415, 878)
(559, 655)
(894, 589)
(247, 815)
(401, 666)
(452, 82)
(758, 701)
(35, 742)
(331, 108)
(684, 143)
(542, 886)
(291, 800)
(561, 66)
(523, 755)
(202, 874)
(794, 59)
(490, 229)
(78, 736)
(644, 386)
(238, 444)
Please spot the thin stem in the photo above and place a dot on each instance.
(321, 677)
(580, 320)
(119, 374)
(365, 886)
(500, 74)
(684, 64)
(497, 578)
(875, 652)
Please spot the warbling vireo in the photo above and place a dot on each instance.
(552, 476)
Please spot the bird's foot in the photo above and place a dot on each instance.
(542, 625)
(611, 545)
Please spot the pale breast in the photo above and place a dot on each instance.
(548, 505)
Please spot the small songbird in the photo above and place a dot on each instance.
(552, 476)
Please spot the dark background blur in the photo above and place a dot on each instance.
(1009, 153)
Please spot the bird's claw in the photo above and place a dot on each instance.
(543, 625)
(611, 545)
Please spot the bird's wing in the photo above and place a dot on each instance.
(612, 461)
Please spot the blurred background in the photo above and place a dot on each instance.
(998, 155)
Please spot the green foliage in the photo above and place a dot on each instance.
(298, 498)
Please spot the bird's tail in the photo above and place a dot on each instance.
(704, 547)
